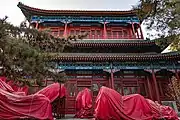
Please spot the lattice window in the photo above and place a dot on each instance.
(93, 33)
(108, 33)
(125, 33)
(130, 90)
(72, 32)
(118, 87)
(72, 89)
(134, 90)
(142, 89)
(95, 89)
(126, 91)
(61, 32)
(55, 33)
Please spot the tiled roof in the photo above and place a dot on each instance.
(81, 12)
(108, 42)
(113, 56)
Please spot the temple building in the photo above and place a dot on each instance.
(114, 54)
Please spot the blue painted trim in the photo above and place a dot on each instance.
(116, 66)
(83, 19)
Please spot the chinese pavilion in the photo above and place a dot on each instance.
(114, 54)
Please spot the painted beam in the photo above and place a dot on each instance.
(83, 19)
(117, 66)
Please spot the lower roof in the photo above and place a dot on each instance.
(173, 56)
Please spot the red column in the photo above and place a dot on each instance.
(112, 79)
(134, 36)
(37, 24)
(110, 82)
(65, 29)
(142, 37)
(149, 88)
(58, 32)
(105, 32)
(156, 87)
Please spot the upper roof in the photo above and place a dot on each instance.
(131, 44)
(28, 11)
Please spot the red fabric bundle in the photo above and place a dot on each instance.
(84, 104)
(16, 105)
(12, 88)
(53, 91)
(110, 105)
(160, 111)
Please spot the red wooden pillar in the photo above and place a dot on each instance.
(149, 88)
(156, 87)
(65, 29)
(105, 32)
(142, 37)
(37, 24)
(58, 32)
(112, 79)
(134, 35)
(110, 84)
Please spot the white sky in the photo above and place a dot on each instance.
(9, 7)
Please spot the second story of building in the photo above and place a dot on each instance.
(104, 25)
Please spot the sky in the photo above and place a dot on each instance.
(15, 16)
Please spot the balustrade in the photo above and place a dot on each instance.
(104, 37)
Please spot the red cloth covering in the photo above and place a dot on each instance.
(15, 105)
(160, 111)
(4, 86)
(110, 105)
(84, 104)
(53, 91)
(12, 88)
(18, 89)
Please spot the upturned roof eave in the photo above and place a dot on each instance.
(114, 56)
(36, 11)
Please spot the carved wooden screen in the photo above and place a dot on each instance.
(128, 82)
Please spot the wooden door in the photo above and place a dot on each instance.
(96, 86)
(73, 88)
(71, 96)
(75, 85)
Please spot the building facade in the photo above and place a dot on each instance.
(114, 54)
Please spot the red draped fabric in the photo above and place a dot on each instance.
(53, 91)
(19, 106)
(110, 105)
(11, 87)
(160, 111)
(15, 105)
(84, 104)
(6, 87)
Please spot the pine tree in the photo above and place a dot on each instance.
(163, 16)
(24, 53)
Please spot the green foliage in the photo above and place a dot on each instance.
(163, 16)
(22, 53)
